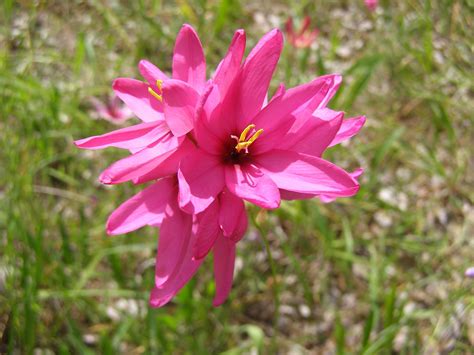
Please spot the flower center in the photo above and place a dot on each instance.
(243, 142)
(153, 92)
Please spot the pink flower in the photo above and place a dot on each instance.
(112, 110)
(371, 4)
(304, 37)
(213, 146)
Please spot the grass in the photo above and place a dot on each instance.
(378, 273)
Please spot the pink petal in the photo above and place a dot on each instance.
(210, 129)
(136, 96)
(306, 174)
(208, 230)
(174, 264)
(168, 163)
(174, 243)
(349, 128)
(277, 118)
(133, 137)
(151, 73)
(354, 175)
(229, 67)
(145, 208)
(139, 163)
(189, 64)
(179, 104)
(313, 133)
(256, 74)
(279, 91)
(232, 216)
(249, 183)
(322, 99)
(201, 178)
(224, 260)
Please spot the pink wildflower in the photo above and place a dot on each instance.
(112, 110)
(227, 145)
(302, 38)
(371, 4)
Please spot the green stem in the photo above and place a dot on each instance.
(276, 285)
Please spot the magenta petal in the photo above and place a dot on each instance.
(248, 182)
(210, 129)
(323, 98)
(201, 178)
(189, 64)
(208, 230)
(139, 163)
(232, 216)
(229, 67)
(174, 244)
(224, 261)
(312, 135)
(133, 137)
(168, 163)
(349, 128)
(151, 73)
(136, 96)
(278, 116)
(256, 74)
(145, 208)
(175, 265)
(354, 175)
(306, 174)
(179, 104)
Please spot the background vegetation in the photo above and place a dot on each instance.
(379, 273)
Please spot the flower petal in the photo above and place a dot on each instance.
(306, 174)
(174, 262)
(249, 183)
(168, 163)
(321, 100)
(133, 137)
(145, 208)
(232, 216)
(349, 128)
(207, 231)
(151, 73)
(189, 64)
(256, 74)
(179, 104)
(175, 265)
(229, 67)
(140, 163)
(312, 134)
(224, 261)
(201, 178)
(355, 175)
(209, 127)
(280, 114)
(136, 96)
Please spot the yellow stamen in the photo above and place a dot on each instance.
(159, 84)
(243, 143)
(243, 135)
(155, 95)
